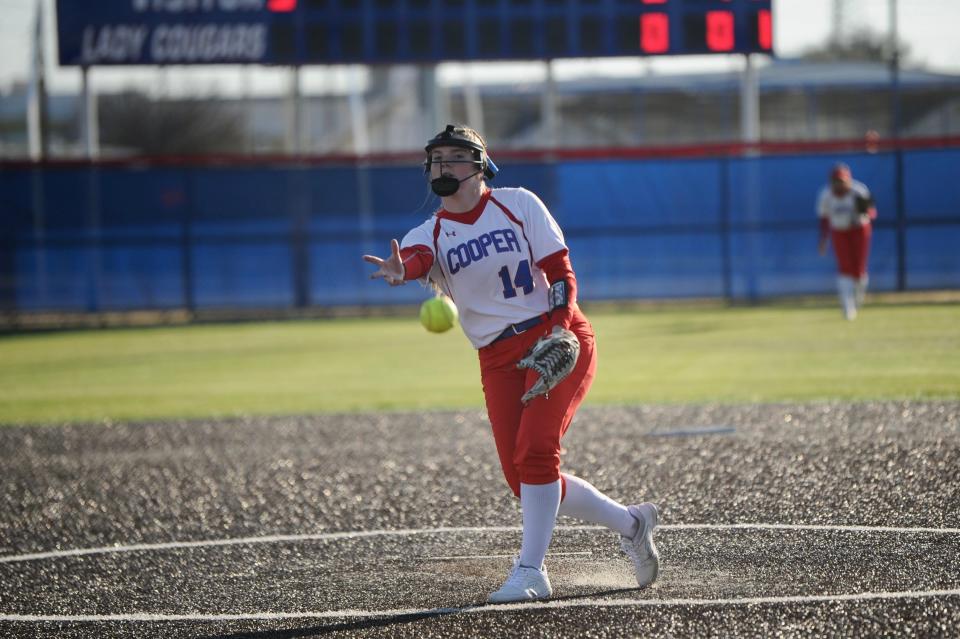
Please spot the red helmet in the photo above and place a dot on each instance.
(840, 171)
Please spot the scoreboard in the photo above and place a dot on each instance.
(302, 32)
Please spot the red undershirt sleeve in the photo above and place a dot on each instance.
(557, 267)
(417, 260)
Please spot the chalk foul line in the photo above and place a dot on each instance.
(431, 612)
(360, 534)
(437, 612)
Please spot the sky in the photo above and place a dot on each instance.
(928, 27)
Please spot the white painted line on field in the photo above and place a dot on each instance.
(432, 612)
(269, 539)
(359, 534)
(838, 528)
(436, 612)
(585, 553)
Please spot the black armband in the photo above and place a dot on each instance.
(557, 296)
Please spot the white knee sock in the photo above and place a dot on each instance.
(847, 295)
(539, 504)
(861, 289)
(585, 502)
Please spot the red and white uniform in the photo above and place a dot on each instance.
(848, 225)
(496, 262)
(488, 259)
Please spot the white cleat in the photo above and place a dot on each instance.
(640, 548)
(523, 584)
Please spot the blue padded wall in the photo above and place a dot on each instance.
(113, 237)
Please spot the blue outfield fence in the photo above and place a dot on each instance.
(124, 236)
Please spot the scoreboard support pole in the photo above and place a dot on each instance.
(430, 98)
(900, 212)
(358, 112)
(749, 134)
(749, 102)
(89, 127)
(38, 121)
(472, 100)
(294, 138)
(548, 108)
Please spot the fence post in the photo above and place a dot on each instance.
(94, 241)
(9, 233)
(901, 220)
(725, 239)
(299, 238)
(186, 242)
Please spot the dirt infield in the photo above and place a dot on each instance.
(822, 518)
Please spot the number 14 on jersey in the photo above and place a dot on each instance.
(523, 279)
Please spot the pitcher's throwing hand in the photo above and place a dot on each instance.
(390, 269)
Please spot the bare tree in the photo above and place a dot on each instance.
(863, 45)
(137, 123)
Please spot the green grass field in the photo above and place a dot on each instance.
(653, 355)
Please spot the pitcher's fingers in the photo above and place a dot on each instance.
(373, 259)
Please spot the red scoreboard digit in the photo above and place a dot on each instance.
(765, 29)
(675, 27)
(720, 35)
(281, 6)
(654, 32)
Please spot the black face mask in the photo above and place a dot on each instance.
(445, 186)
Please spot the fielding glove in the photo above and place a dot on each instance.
(553, 357)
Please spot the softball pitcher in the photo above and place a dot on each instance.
(501, 257)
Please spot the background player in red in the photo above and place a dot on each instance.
(846, 208)
(500, 255)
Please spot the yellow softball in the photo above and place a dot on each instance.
(438, 314)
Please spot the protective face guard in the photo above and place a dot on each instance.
(447, 185)
(449, 137)
(428, 163)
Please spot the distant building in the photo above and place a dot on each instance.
(799, 101)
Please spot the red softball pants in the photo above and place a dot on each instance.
(528, 437)
(852, 247)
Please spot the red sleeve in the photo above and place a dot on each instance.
(557, 267)
(417, 260)
(824, 228)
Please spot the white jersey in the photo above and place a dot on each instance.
(485, 260)
(842, 210)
